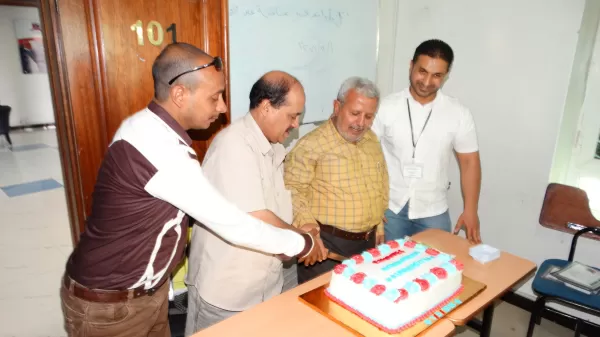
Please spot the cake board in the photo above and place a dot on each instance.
(320, 302)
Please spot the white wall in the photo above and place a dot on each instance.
(513, 62)
(28, 94)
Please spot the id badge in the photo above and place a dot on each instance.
(413, 170)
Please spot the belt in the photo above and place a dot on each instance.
(106, 296)
(340, 233)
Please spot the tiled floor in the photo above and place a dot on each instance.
(35, 243)
(35, 239)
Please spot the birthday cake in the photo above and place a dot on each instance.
(397, 284)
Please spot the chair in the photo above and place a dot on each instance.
(4, 122)
(565, 208)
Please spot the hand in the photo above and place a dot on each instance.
(379, 238)
(318, 252)
(469, 220)
(307, 228)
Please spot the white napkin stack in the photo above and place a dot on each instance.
(483, 253)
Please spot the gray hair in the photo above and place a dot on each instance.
(362, 86)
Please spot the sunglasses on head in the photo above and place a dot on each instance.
(216, 62)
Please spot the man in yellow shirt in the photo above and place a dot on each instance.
(338, 177)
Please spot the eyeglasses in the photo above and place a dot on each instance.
(217, 62)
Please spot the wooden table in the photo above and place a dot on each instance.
(285, 315)
(499, 275)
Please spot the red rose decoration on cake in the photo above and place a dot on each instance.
(403, 295)
(440, 273)
(358, 259)
(393, 244)
(410, 244)
(423, 283)
(339, 268)
(374, 252)
(378, 289)
(459, 266)
(432, 252)
(358, 278)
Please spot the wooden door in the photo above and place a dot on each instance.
(100, 60)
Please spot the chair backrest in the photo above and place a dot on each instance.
(4, 118)
(567, 204)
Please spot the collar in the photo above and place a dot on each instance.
(265, 147)
(170, 121)
(412, 100)
(332, 130)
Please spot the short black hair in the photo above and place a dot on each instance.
(172, 61)
(436, 49)
(275, 91)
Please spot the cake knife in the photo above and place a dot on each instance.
(336, 257)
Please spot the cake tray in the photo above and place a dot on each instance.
(320, 302)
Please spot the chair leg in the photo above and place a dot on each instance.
(8, 139)
(536, 315)
(541, 304)
(578, 328)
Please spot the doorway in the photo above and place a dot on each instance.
(35, 240)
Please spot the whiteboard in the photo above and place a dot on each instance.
(321, 42)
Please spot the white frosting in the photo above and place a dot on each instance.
(382, 309)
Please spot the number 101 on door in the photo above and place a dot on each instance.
(154, 32)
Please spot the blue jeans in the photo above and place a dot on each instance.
(399, 225)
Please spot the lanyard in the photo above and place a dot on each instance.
(412, 134)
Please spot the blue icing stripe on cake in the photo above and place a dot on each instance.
(439, 314)
(385, 249)
(443, 257)
(448, 307)
(412, 266)
(401, 242)
(432, 279)
(350, 262)
(419, 247)
(450, 268)
(412, 287)
(391, 294)
(457, 301)
(428, 322)
(400, 261)
(348, 272)
(369, 283)
(367, 257)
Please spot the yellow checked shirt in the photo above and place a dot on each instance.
(337, 182)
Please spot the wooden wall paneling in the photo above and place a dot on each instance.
(65, 129)
(215, 21)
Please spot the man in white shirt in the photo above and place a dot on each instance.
(419, 129)
(149, 185)
(245, 163)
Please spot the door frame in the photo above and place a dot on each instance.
(22, 3)
(62, 102)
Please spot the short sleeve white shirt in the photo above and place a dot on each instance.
(450, 127)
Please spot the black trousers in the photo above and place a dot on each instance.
(337, 245)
